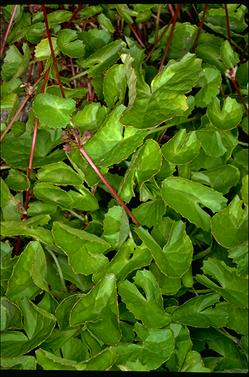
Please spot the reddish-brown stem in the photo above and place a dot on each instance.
(171, 9)
(73, 72)
(106, 183)
(178, 7)
(227, 23)
(8, 30)
(74, 14)
(238, 91)
(158, 40)
(137, 36)
(52, 50)
(33, 143)
(18, 112)
(205, 8)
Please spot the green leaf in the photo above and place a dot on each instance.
(175, 258)
(58, 17)
(221, 178)
(148, 308)
(101, 361)
(53, 111)
(59, 173)
(16, 150)
(128, 258)
(48, 192)
(34, 32)
(168, 286)
(105, 23)
(228, 55)
(21, 363)
(239, 254)
(194, 363)
(77, 93)
(210, 81)
(226, 118)
(99, 311)
(38, 324)
(142, 168)
(103, 58)
(184, 197)
(183, 345)
(69, 44)
(232, 287)
(182, 148)
(199, 312)
(116, 226)
(211, 142)
(17, 180)
(91, 117)
(182, 39)
(244, 189)
(29, 273)
(230, 226)
(114, 85)
(180, 76)
(84, 250)
(10, 315)
(150, 213)
(42, 49)
(230, 356)
(156, 347)
(15, 63)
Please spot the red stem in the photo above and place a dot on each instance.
(106, 183)
(178, 7)
(52, 50)
(18, 112)
(227, 23)
(238, 91)
(205, 8)
(33, 143)
(8, 29)
(137, 36)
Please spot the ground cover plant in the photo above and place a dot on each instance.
(124, 189)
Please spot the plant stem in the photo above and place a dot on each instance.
(77, 215)
(78, 76)
(8, 30)
(158, 40)
(106, 183)
(52, 50)
(227, 24)
(205, 8)
(178, 7)
(32, 150)
(20, 109)
(137, 36)
(238, 91)
(162, 128)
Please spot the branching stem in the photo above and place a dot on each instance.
(205, 8)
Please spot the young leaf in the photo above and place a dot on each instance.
(184, 197)
(232, 287)
(148, 308)
(69, 44)
(53, 111)
(128, 258)
(59, 173)
(114, 85)
(230, 226)
(42, 49)
(199, 312)
(226, 118)
(182, 148)
(99, 311)
(116, 226)
(84, 250)
(156, 347)
(27, 278)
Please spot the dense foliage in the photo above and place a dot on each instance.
(155, 97)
